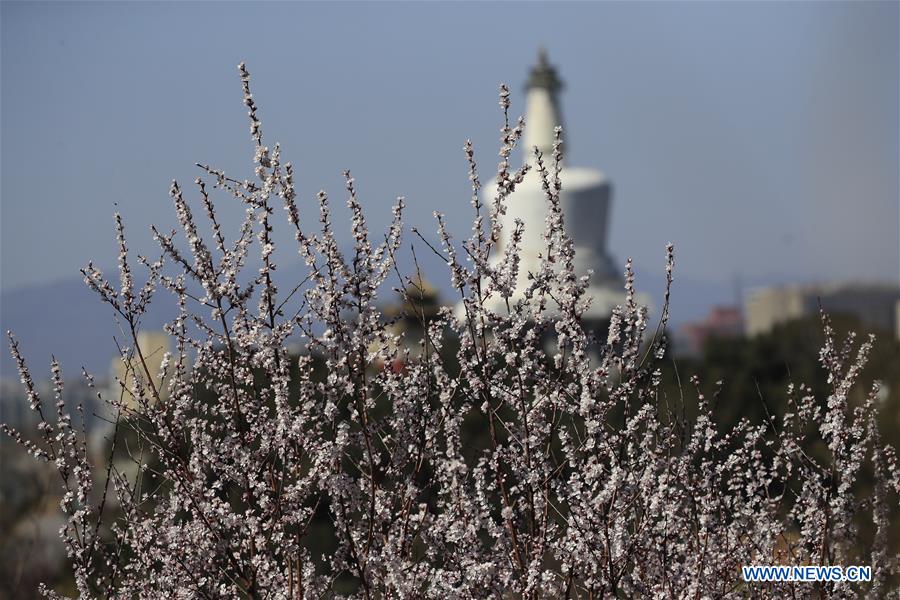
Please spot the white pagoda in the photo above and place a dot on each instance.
(585, 198)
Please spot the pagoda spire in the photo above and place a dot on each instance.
(542, 114)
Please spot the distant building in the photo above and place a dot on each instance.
(408, 318)
(875, 305)
(721, 322)
(586, 200)
(16, 412)
(153, 346)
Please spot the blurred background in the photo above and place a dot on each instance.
(760, 138)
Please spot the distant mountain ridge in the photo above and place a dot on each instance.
(67, 320)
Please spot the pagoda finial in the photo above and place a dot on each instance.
(543, 75)
(542, 113)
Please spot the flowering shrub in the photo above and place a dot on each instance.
(588, 483)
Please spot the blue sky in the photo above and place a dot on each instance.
(761, 138)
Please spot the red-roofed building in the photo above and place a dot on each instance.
(721, 322)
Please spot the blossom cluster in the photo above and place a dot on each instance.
(586, 485)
